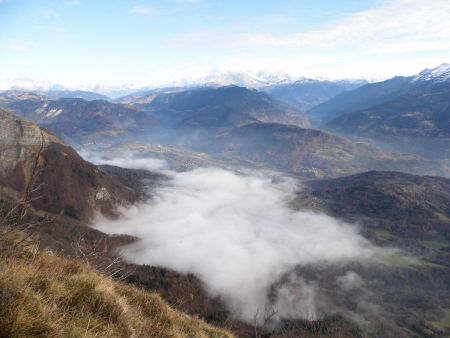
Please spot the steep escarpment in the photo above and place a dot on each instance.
(52, 175)
(59, 193)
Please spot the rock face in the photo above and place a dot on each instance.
(18, 139)
(59, 180)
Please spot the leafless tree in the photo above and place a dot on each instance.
(261, 324)
(96, 255)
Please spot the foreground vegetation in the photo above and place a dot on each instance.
(43, 295)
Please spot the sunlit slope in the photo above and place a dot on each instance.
(48, 296)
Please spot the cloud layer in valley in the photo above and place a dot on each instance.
(237, 234)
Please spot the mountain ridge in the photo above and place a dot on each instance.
(373, 94)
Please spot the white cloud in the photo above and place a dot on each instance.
(410, 25)
(24, 83)
(141, 10)
(393, 26)
(237, 234)
(397, 37)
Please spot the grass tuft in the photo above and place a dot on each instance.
(42, 295)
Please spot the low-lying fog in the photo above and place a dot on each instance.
(237, 233)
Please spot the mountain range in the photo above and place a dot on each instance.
(76, 119)
(305, 94)
(229, 105)
(373, 94)
(409, 114)
(226, 122)
(393, 208)
(312, 153)
(215, 78)
(342, 175)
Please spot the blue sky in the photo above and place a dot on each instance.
(78, 43)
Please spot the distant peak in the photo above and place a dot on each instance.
(242, 79)
(438, 74)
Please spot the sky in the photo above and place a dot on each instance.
(80, 43)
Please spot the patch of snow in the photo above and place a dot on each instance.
(412, 114)
(53, 113)
(438, 74)
(42, 109)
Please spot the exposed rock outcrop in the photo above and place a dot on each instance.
(58, 179)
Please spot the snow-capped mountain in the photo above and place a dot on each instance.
(115, 92)
(374, 94)
(306, 93)
(216, 78)
(24, 84)
(438, 74)
(253, 80)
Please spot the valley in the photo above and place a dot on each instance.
(219, 169)
(361, 245)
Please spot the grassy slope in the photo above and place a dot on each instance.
(48, 296)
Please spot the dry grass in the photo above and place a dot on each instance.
(47, 296)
